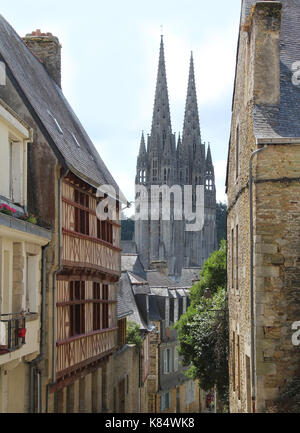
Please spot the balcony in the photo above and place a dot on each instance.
(14, 342)
(12, 332)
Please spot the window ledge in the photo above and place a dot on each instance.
(23, 226)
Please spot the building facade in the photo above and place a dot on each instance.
(164, 162)
(22, 258)
(263, 207)
(157, 303)
(74, 331)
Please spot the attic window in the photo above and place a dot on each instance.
(75, 139)
(56, 123)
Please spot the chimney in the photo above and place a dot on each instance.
(47, 49)
(265, 29)
(160, 266)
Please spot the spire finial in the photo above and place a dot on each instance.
(162, 30)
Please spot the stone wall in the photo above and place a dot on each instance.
(276, 226)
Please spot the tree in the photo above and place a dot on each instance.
(221, 221)
(203, 330)
(133, 334)
(127, 229)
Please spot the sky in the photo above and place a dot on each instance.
(110, 55)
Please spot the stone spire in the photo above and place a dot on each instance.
(209, 172)
(191, 127)
(141, 167)
(161, 122)
(142, 152)
(209, 158)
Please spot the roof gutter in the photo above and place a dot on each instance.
(279, 140)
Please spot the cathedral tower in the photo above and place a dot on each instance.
(164, 163)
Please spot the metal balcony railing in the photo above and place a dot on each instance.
(12, 332)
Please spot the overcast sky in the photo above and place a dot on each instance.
(109, 66)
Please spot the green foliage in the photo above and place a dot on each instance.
(213, 274)
(289, 400)
(133, 335)
(203, 330)
(127, 229)
(221, 222)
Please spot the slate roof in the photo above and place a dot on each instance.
(282, 120)
(127, 304)
(188, 276)
(132, 263)
(158, 279)
(44, 97)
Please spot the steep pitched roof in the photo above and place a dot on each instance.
(46, 102)
(127, 305)
(282, 120)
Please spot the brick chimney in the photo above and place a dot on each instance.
(47, 48)
(265, 40)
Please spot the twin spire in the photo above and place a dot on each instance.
(161, 121)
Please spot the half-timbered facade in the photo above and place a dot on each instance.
(86, 289)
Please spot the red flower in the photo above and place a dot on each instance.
(7, 208)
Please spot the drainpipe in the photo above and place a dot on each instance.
(253, 388)
(41, 356)
(64, 172)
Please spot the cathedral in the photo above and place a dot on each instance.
(165, 160)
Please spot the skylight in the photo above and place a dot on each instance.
(56, 123)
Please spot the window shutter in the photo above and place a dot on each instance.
(17, 174)
(176, 364)
(165, 360)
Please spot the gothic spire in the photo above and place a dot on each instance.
(209, 158)
(191, 128)
(161, 122)
(142, 151)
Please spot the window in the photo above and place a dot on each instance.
(167, 359)
(165, 401)
(122, 332)
(105, 312)
(239, 366)
(165, 175)
(155, 170)
(189, 392)
(180, 308)
(248, 384)
(233, 361)
(82, 216)
(176, 309)
(96, 306)
(237, 151)
(232, 259)
(105, 231)
(176, 359)
(32, 276)
(77, 308)
(237, 258)
(167, 312)
(171, 311)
